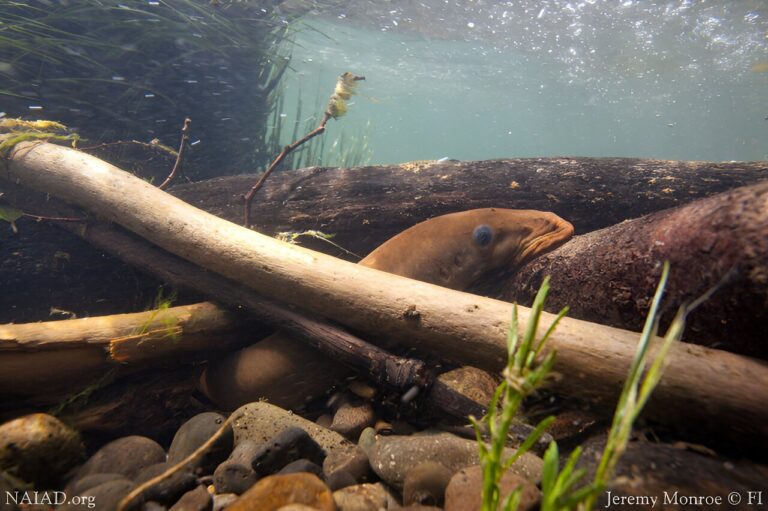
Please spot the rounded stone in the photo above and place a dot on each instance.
(261, 422)
(392, 457)
(464, 491)
(197, 499)
(426, 484)
(236, 474)
(194, 433)
(476, 384)
(364, 497)
(170, 489)
(85, 483)
(105, 496)
(351, 419)
(126, 456)
(39, 448)
(276, 491)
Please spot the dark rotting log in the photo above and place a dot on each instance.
(721, 242)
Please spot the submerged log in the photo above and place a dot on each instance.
(71, 353)
(365, 206)
(718, 243)
(362, 208)
(716, 390)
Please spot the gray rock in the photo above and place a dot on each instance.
(291, 444)
(85, 483)
(197, 499)
(392, 457)
(340, 479)
(105, 496)
(126, 456)
(464, 492)
(194, 433)
(262, 421)
(302, 465)
(169, 490)
(426, 484)
(364, 497)
(351, 459)
(236, 474)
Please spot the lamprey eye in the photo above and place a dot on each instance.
(483, 235)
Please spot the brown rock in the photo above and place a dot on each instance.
(39, 447)
(351, 419)
(464, 492)
(276, 491)
(351, 459)
(364, 497)
(194, 500)
(663, 470)
(472, 382)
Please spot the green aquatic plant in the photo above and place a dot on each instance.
(562, 488)
(527, 368)
(81, 397)
(131, 69)
(14, 131)
(161, 304)
(644, 375)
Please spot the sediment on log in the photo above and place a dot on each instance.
(362, 208)
(720, 392)
(609, 276)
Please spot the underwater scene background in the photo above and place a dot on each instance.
(463, 80)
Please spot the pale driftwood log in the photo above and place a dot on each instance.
(43, 264)
(716, 390)
(70, 353)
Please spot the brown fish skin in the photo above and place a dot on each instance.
(443, 250)
(456, 250)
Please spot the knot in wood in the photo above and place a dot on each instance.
(412, 313)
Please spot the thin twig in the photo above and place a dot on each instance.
(280, 157)
(179, 156)
(130, 501)
(41, 218)
(336, 108)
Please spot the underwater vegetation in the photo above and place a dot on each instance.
(134, 70)
(527, 369)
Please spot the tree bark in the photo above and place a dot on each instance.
(365, 206)
(716, 390)
(716, 243)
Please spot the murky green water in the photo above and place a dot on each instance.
(475, 80)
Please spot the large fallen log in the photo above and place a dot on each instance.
(718, 243)
(718, 391)
(56, 270)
